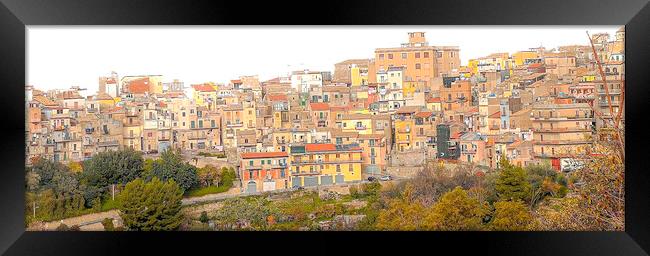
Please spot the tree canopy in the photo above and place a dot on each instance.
(512, 183)
(151, 206)
(454, 212)
(113, 167)
(170, 165)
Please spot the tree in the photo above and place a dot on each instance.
(204, 217)
(602, 188)
(544, 181)
(455, 211)
(151, 206)
(75, 167)
(209, 176)
(108, 224)
(171, 166)
(403, 213)
(433, 181)
(227, 177)
(245, 212)
(511, 216)
(113, 167)
(45, 174)
(512, 183)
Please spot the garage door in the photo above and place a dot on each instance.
(326, 180)
(296, 182)
(251, 187)
(339, 178)
(311, 181)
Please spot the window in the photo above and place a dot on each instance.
(417, 55)
(212, 123)
(439, 54)
(417, 66)
(404, 55)
(381, 56)
(390, 56)
(426, 54)
(250, 163)
(451, 54)
(192, 124)
(183, 114)
(200, 123)
(338, 168)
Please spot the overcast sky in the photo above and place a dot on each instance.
(60, 57)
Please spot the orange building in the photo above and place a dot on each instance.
(456, 95)
(422, 62)
(264, 171)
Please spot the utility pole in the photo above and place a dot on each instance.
(113, 188)
(34, 208)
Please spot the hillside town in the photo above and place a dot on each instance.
(384, 116)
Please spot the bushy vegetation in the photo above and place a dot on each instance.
(61, 191)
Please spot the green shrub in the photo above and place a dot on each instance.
(108, 224)
(204, 217)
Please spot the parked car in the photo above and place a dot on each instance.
(372, 178)
(386, 178)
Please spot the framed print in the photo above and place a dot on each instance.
(357, 126)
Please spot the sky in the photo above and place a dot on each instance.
(61, 57)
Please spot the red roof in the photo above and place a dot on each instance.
(340, 108)
(320, 147)
(433, 100)
(423, 114)
(317, 106)
(535, 65)
(495, 114)
(203, 87)
(278, 97)
(236, 81)
(263, 155)
(139, 86)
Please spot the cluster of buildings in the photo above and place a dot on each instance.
(311, 128)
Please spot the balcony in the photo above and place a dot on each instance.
(562, 129)
(266, 167)
(108, 143)
(468, 151)
(234, 125)
(196, 137)
(360, 127)
(307, 173)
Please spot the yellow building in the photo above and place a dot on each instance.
(521, 57)
(324, 164)
(361, 123)
(204, 95)
(473, 66)
(358, 76)
(409, 88)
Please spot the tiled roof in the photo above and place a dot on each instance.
(203, 87)
(495, 114)
(317, 106)
(424, 114)
(139, 86)
(45, 101)
(278, 97)
(320, 147)
(433, 100)
(263, 155)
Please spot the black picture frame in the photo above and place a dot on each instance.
(15, 15)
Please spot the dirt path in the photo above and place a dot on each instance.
(85, 222)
